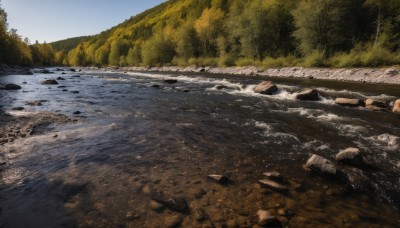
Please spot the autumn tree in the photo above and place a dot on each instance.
(208, 27)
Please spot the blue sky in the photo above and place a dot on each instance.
(52, 20)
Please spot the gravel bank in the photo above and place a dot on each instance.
(367, 75)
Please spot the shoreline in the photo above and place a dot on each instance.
(388, 75)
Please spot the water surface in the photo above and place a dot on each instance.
(136, 132)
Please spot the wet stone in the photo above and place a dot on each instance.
(155, 206)
(321, 165)
(266, 88)
(396, 106)
(308, 95)
(174, 203)
(221, 179)
(171, 81)
(273, 185)
(350, 156)
(18, 108)
(60, 78)
(275, 176)
(50, 82)
(266, 219)
(349, 102)
(12, 86)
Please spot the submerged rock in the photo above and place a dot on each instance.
(321, 165)
(156, 206)
(200, 215)
(173, 203)
(50, 82)
(218, 178)
(266, 219)
(308, 95)
(266, 88)
(349, 102)
(350, 156)
(12, 86)
(60, 78)
(171, 81)
(34, 103)
(173, 221)
(357, 179)
(396, 106)
(272, 185)
(274, 176)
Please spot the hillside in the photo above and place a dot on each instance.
(338, 33)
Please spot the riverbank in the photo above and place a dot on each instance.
(389, 75)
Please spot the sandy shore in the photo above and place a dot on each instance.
(367, 75)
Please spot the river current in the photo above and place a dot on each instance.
(136, 134)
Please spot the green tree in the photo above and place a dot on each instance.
(134, 56)
(319, 25)
(208, 27)
(187, 42)
(157, 50)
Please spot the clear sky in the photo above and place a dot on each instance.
(52, 20)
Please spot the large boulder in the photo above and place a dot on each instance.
(350, 156)
(396, 106)
(349, 102)
(12, 87)
(266, 87)
(308, 95)
(321, 165)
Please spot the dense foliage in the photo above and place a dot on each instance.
(18, 51)
(339, 33)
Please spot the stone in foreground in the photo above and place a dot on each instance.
(349, 102)
(308, 95)
(272, 185)
(266, 219)
(321, 165)
(350, 156)
(12, 87)
(396, 106)
(174, 203)
(221, 179)
(266, 88)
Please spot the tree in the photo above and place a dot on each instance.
(187, 42)
(157, 50)
(208, 27)
(134, 56)
(320, 25)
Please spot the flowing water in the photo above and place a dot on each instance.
(136, 134)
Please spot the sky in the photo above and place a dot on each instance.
(52, 20)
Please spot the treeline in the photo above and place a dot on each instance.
(340, 33)
(17, 51)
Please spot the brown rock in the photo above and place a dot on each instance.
(266, 219)
(349, 102)
(50, 82)
(219, 178)
(350, 156)
(276, 176)
(200, 215)
(173, 221)
(156, 206)
(396, 106)
(308, 95)
(321, 165)
(273, 185)
(375, 105)
(266, 88)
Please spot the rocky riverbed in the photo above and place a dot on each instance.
(176, 150)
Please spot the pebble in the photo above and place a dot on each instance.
(265, 218)
(173, 221)
(156, 206)
(221, 179)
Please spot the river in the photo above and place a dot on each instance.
(136, 134)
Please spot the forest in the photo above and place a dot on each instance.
(270, 33)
